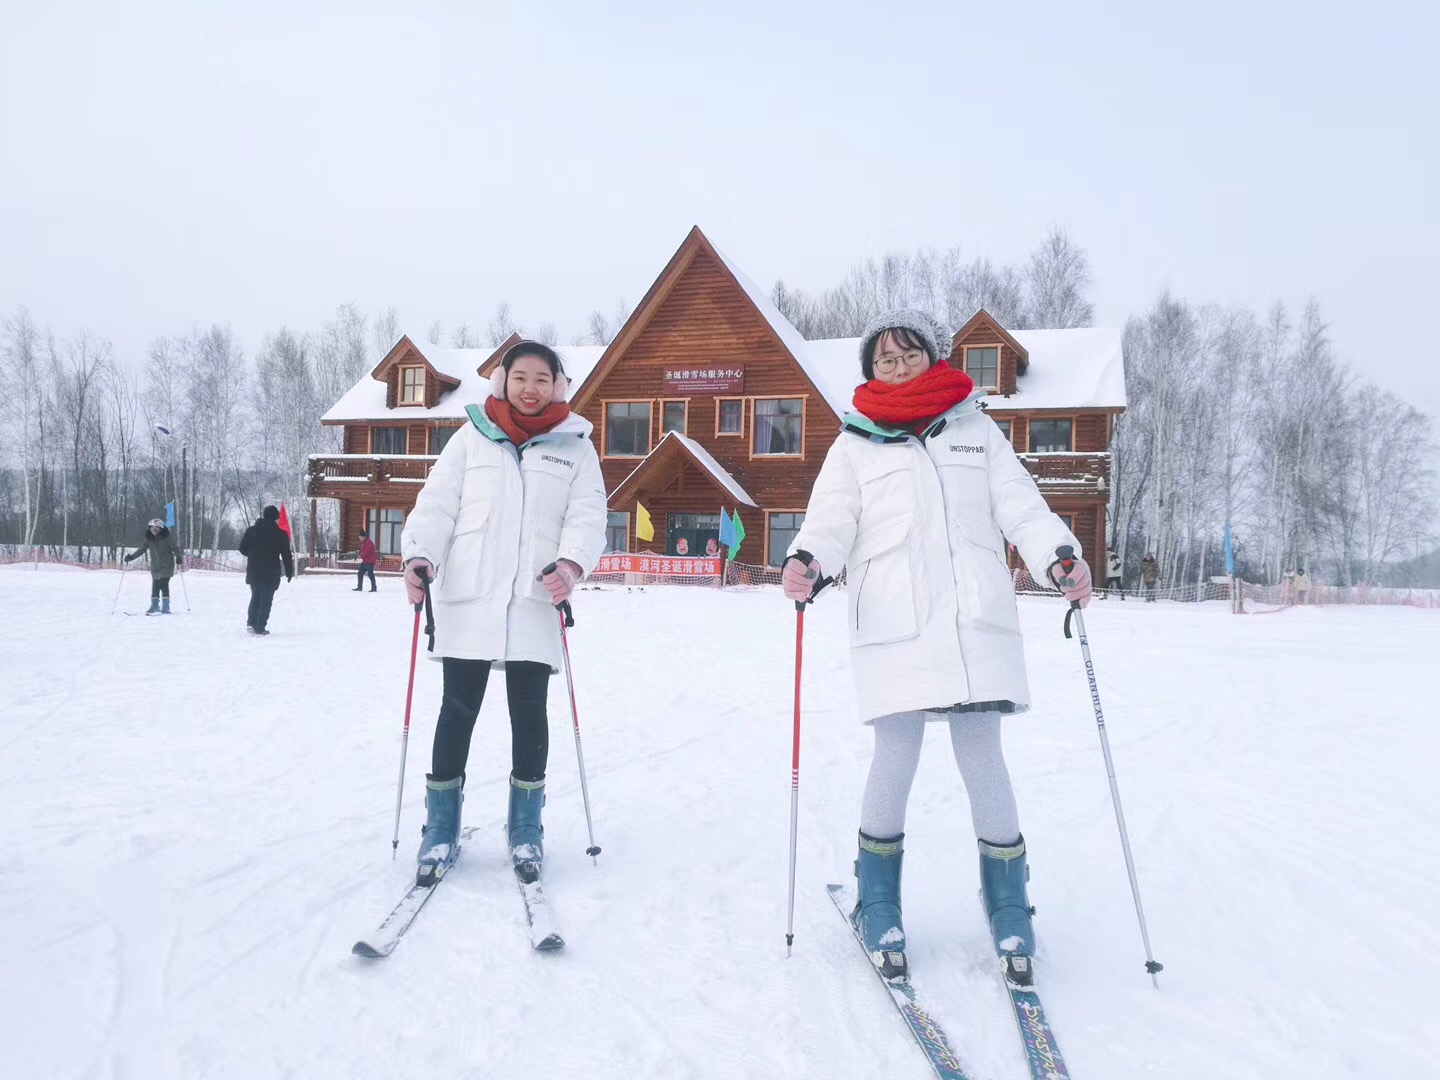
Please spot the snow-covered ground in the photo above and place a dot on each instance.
(195, 826)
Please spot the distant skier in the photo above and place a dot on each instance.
(1149, 576)
(367, 562)
(489, 520)
(1113, 570)
(165, 561)
(913, 498)
(1302, 587)
(267, 552)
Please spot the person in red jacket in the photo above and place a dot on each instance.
(367, 562)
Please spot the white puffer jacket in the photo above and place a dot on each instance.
(490, 518)
(919, 523)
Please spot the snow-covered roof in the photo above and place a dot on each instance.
(366, 399)
(1069, 369)
(714, 468)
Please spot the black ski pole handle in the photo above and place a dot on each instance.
(564, 606)
(1065, 555)
(429, 608)
(805, 559)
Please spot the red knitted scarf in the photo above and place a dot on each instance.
(916, 401)
(519, 427)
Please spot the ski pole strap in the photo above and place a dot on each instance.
(566, 612)
(805, 559)
(429, 614)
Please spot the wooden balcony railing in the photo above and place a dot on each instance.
(336, 471)
(1083, 471)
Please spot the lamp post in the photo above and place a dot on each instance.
(166, 432)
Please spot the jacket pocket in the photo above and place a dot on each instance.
(462, 574)
(882, 585)
(979, 552)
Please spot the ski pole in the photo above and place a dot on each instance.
(806, 558)
(184, 589)
(409, 697)
(1066, 555)
(124, 566)
(567, 618)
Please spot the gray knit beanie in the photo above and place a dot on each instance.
(932, 333)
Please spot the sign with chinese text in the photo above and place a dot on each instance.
(660, 565)
(691, 381)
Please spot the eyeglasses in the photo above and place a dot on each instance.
(913, 358)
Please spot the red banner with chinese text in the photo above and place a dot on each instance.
(659, 565)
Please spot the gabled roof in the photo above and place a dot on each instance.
(459, 371)
(983, 317)
(407, 344)
(675, 450)
(494, 358)
(786, 336)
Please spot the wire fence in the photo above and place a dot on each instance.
(1255, 598)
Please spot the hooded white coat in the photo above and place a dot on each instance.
(490, 517)
(921, 522)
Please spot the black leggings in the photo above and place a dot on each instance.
(526, 686)
(365, 568)
(159, 586)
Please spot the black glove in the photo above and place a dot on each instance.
(129, 557)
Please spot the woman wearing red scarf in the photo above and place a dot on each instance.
(516, 490)
(917, 497)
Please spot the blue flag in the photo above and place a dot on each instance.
(170, 515)
(727, 530)
(1229, 552)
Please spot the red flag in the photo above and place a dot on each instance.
(284, 521)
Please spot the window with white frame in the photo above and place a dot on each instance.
(779, 424)
(781, 529)
(388, 440)
(627, 428)
(1051, 436)
(982, 364)
(617, 531)
(384, 527)
(730, 416)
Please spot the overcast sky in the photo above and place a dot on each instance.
(259, 163)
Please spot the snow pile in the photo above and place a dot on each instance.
(197, 826)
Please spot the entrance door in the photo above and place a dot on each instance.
(689, 535)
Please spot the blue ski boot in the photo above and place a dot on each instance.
(154, 606)
(440, 842)
(877, 904)
(1003, 874)
(527, 848)
(165, 606)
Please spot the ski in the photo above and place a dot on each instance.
(929, 1034)
(1042, 1053)
(544, 931)
(381, 943)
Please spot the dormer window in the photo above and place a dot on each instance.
(412, 386)
(982, 364)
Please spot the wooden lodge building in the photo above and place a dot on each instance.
(709, 398)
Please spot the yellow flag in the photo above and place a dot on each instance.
(644, 529)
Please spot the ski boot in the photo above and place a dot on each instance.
(527, 848)
(165, 606)
(440, 841)
(1003, 874)
(154, 606)
(877, 904)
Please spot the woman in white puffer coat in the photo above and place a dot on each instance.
(516, 492)
(917, 497)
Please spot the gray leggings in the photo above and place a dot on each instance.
(975, 738)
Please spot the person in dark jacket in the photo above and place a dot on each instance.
(267, 551)
(165, 560)
(368, 556)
